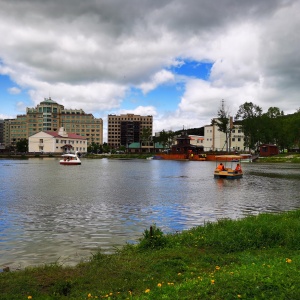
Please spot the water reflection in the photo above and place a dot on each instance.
(50, 212)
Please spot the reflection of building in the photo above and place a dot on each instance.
(126, 129)
(57, 142)
(50, 116)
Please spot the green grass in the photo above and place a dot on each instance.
(257, 257)
(281, 158)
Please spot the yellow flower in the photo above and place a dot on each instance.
(179, 274)
(218, 268)
(212, 281)
(29, 297)
(159, 284)
(89, 295)
(147, 291)
(239, 296)
(288, 260)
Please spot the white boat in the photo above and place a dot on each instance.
(70, 159)
(246, 158)
(229, 167)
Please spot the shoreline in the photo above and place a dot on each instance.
(280, 158)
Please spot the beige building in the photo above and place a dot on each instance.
(50, 116)
(57, 142)
(215, 140)
(127, 128)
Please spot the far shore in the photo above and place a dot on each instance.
(281, 158)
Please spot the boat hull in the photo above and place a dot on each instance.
(67, 163)
(228, 176)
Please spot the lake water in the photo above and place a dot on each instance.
(51, 213)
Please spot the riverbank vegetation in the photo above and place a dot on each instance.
(257, 257)
(281, 158)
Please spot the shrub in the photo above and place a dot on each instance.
(153, 239)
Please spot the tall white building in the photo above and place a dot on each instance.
(215, 140)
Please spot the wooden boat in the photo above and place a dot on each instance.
(229, 169)
(70, 159)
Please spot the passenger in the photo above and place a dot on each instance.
(238, 169)
(221, 167)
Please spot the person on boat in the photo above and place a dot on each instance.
(221, 167)
(238, 169)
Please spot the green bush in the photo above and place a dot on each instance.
(153, 239)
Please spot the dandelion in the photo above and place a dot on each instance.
(89, 295)
(147, 291)
(239, 296)
(29, 297)
(218, 268)
(179, 274)
(288, 260)
(212, 281)
(159, 284)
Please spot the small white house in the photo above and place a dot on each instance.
(57, 142)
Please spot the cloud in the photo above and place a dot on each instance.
(91, 54)
(14, 90)
(157, 79)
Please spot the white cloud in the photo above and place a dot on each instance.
(157, 79)
(89, 55)
(14, 90)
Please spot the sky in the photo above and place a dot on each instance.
(175, 60)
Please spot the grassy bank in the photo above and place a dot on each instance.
(281, 158)
(254, 258)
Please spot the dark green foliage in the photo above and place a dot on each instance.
(22, 145)
(153, 239)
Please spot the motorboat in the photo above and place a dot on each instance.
(246, 158)
(228, 167)
(70, 159)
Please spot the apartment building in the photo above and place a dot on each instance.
(1, 132)
(215, 140)
(125, 129)
(50, 116)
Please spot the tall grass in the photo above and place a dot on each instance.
(257, 257)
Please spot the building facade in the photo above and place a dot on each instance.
(1, 132)
(215, 140)
(127, 128)
(50, 116)
(56, 142)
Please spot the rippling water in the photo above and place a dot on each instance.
(52, 213)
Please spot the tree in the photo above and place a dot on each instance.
(250, 116)
(165, 138)
(94, 148)
(22, 145)
(223, 123)
(146, 134)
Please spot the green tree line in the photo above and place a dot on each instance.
(272, 127)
